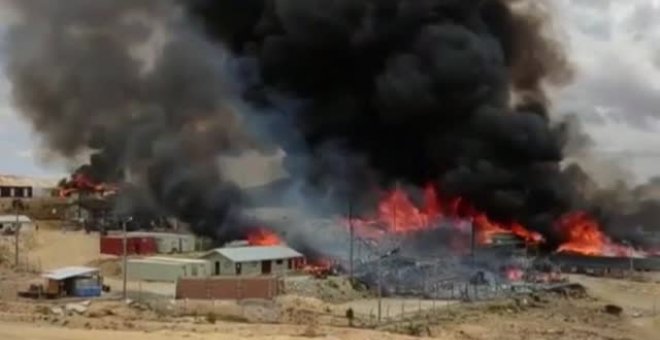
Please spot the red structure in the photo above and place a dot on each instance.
(229, 288)
(135, 245)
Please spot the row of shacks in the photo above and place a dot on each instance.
(234, 259)
(245, 261)
(233, 272)
(222, 273)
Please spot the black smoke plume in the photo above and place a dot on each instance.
(360, 94)
(134, 84)
(442, 91)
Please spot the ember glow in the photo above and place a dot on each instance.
(583, 235)
(397, 214)
(263, 237)
(319, 268)
(514, 274)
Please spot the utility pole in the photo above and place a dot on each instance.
(352, 235)
(396, 210)
(17, 229)
(631, 256)
(379, 278)
(17, 204)
(380, 288)
(124, 260)
(473, 245)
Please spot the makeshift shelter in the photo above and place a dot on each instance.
(73, 282)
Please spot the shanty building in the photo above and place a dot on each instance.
(135, 245)
(252, 261)
(149, 243)
(25, 187)
(73, 282)
(166, 269)
(170, 243)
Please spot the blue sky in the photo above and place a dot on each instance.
(615, 46)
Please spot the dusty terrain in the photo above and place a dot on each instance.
(16, 331)
(316, 310)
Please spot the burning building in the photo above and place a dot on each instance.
(419, 124)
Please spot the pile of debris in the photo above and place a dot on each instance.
(70, 309)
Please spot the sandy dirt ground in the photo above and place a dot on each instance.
(551, 317)
(640, 299)
(14, 331)
(392, 308)
(56, 248)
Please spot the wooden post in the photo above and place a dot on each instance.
(351, 242)
(124, 261)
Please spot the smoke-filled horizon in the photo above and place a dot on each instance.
(359, 94)
(136, 84)
(443, 92)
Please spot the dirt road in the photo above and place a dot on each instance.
(10, 331)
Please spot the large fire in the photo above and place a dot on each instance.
(397, 214)
(79, 182)
(583, 235)
(263, 237)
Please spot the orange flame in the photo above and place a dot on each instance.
(319, 268)
(397, 214)
(263, 237)
(583, 235)
(80, 182)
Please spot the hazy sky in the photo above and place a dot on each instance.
(615, 45)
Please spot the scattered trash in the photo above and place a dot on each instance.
(77, 308)
(57, 311)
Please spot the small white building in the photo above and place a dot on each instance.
(8, 223)
(166, 269)
(253, 261)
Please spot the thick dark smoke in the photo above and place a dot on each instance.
(132, 83)
(420, 89)
(360, 94)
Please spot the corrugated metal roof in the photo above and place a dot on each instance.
(12, 219)
(169, 260)
(248, 254)
(159, 234)
(147, 234)
(19, 181)
(69, 272)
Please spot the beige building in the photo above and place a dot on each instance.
(253, 261)
(166, 269)
(26, 187)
